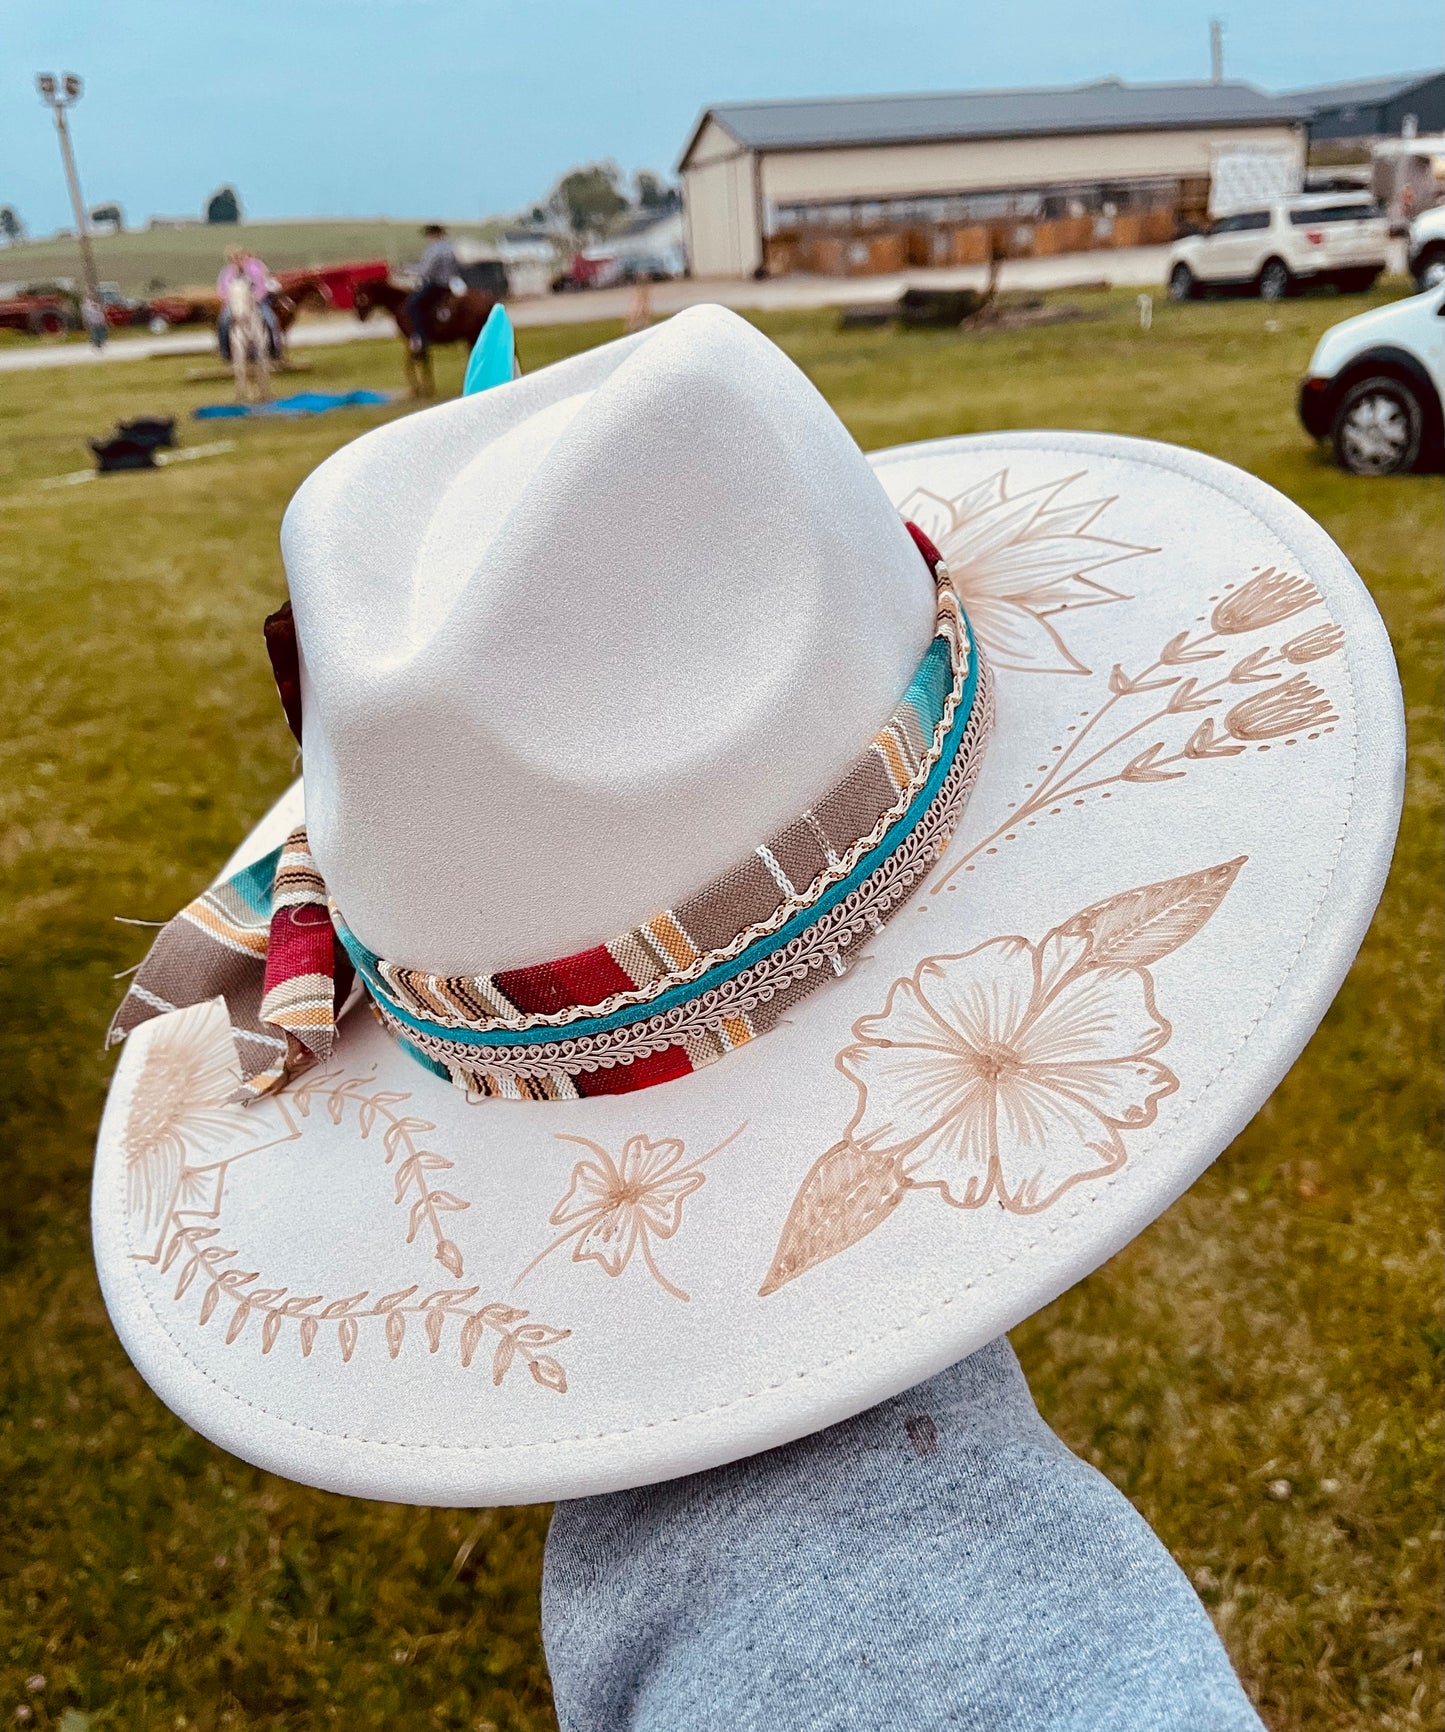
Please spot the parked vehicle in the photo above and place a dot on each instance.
(1279, 248)
(120, 310)
(183, 307)
(39, 313)
(1375, 384)
(1427, 248)
(645, 268)
(1405, 176)
(584, 271)
(487, 275)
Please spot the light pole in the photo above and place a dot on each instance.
(1216, 51)
(58, 94)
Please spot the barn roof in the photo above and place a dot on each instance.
(1106, 106)
(1361, 92)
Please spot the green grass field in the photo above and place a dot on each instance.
(142, 260)
(1282, 1323)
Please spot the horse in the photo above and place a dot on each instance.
(250, 342)
(287, 303)
(453, 319)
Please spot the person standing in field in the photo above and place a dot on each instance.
(435, 269)
(241, 261)
(92, 317)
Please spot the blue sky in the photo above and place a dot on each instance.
(464, 108)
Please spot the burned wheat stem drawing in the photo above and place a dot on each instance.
(1286, 706)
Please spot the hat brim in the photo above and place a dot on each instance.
(1179, 836)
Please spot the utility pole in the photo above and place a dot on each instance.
(1216, 51)
(58, 94)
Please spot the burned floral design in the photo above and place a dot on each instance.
(1019, 562)
(614, 1210)
(1005, 1075)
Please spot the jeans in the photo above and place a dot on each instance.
(939, 1561)
(268, 318)
(419, 305)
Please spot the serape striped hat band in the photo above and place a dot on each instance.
(657, 1002)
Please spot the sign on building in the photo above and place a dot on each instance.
(1243, 178)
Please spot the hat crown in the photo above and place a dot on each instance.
(574, 646)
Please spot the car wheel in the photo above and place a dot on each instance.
(1432, 270)
(1377, 428)
(1274, 280)
(1181, 283)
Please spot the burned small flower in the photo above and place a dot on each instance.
(1288, 709)
(1314, 645)
(614, 1208)
(1270, 596)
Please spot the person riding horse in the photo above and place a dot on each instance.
(240, 261)
(436, 269)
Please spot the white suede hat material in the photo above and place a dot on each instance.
(572, 648)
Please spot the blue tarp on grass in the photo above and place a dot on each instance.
(303, 403)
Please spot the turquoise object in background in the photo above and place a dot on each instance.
(303, 403)
(494, 356)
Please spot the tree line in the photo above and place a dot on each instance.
(590, 202)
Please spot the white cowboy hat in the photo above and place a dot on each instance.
(573, 649)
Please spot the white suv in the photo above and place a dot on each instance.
(1292, 243)
(1374, 387)
(1427, 248)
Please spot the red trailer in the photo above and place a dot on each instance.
(338, 282)
(39, 315)
(196, 307)
(583, 272)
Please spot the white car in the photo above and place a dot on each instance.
(1375, 385)
(1289, 244)
(1427, 248)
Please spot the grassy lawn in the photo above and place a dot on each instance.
(1259, 1372)
(143, 259)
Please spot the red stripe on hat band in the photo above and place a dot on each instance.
(589, 977)
(923, 544)
(301, 941)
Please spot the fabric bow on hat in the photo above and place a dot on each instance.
(262, 941)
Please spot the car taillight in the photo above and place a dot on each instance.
(1315, 237)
